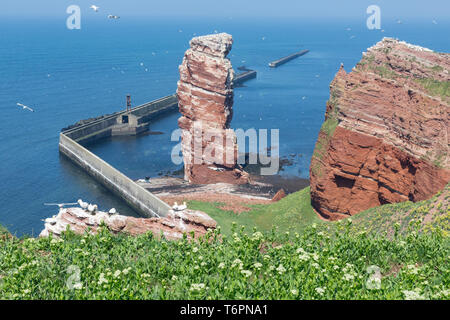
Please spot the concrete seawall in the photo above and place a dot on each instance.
(70, 141)
(138, 117)
(136, 196)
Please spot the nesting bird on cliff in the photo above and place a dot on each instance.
(113, 211)
(92, 208)
(178, 207)
(83, 205)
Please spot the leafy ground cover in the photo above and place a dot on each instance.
(392, 252)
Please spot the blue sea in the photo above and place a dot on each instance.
(68, 75)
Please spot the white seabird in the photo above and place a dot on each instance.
(82, 204)
(113, 211)
(92, 208)
(60, 205)
(25, 107)
(94, 7)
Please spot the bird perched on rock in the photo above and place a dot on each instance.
(113, 211)
(180, 207)
(83, 205)
(92, 208)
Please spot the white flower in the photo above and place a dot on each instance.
(174, 277)
(412, 295)
(257, 236)
(335, 267)
(257, 265)
(315, 256)
(304, 257)
(117, 273)
(126, 270)
(413, 269)
(315, 265)
(281, 269)
(200, 257)
(195, 249)
(197, 286)
(348, 277)
(26, 291)
(102, 279)
(78, 286)
(294, 292)
(320, 290)
(237, 262)
(221, 265)
(246, 273)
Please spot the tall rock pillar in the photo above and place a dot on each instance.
(205, 99)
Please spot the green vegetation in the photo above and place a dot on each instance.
(388, 252)
(326, 132)
(292, 213)
(433, 214)
(319, 263)
(436, 87)
(437, 68)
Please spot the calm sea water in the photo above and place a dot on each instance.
(71, 75)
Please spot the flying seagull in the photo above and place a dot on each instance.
(60, 205)
(25, 107)
(110, 16)
(94, 7)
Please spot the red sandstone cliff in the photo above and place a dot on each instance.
(205, 99)
(385, 138)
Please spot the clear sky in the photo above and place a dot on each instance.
(319, 9)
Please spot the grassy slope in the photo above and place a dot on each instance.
(293, 212)
(323, 261)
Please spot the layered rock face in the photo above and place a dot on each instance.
(173, 227)
(385, 138)
(205, 99)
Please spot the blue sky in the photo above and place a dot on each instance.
(318, 9)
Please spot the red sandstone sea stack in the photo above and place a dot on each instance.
(205, 99)
(386, 133)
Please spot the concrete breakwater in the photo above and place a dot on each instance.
(124, 122)
(136, 196)
(281, 61)
(244, 76)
